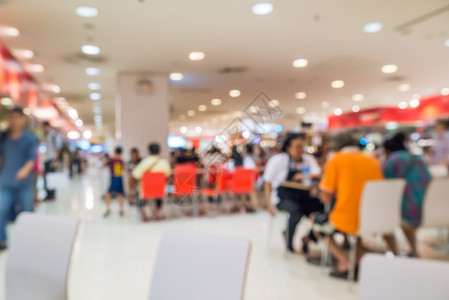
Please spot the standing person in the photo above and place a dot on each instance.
(116, 187)
(52, 157)
(152, 163)
(17, 159)
(294, 166)
(441, 147)
(132, 182)
(344, 178)
(401, 164)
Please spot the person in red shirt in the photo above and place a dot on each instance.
(116, 165)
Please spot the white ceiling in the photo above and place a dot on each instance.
(157, 36)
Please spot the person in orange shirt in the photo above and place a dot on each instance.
(344, 177)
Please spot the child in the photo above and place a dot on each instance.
(116, 188)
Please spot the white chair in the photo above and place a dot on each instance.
(39, 257)
(192, 265)
(439, 171)
(380, 212)
(402, 278)
(436, 204)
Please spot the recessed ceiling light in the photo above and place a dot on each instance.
(95, 96)
(94, 86)
(215, 101)
(445, 91)
(97, 109)
(300, 95)
(9, 31)
(183, 129)
(402, 105)
(358, 97)
(7, 101)
(234, 93)
(92, 71)
(90, 49)
(389, 69)
(300, 110)
(325, 104)
(50, 87)
(195, 56)
(338, 84)
(98, 119)
(87, 11)
(300, 63)
(262, 9)
(35, 68)
(404, 87)
(176, 76)
(23, 53)
(198, 129)
(372, 27)
(414, 103)
(273, 103)
(87, 134)
(338, 111)
(416, 96)
(202, 107)
(355, 108)
(190, 113)
(73, 135)
(79, 123)
(446, 43)
(72, 113)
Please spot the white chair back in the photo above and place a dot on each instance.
(439, 171)
(39, 257)
(402, 278)
(436, 204)
(380, 208)
(199, 266)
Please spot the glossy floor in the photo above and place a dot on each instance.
(114, 257)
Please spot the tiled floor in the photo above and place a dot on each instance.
(114, 257)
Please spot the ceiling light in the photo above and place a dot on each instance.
(300, 110)
(198, 129)
(23, 53)
(183, 129)
(300, 95)
(300, 63)
(190, 113)
(445, 91)
(262, 9)
(202, 108)
(90, 49)
(338, 84)
(94, 86)
(273, 103)
(196, 56)
(182, 117)
(73, 135)
(95, 96)
(7, 101)
(372, 27)
(389, 69)
(234, 93)
(97, 109)
(402, 105)
(215, 101)
(86, 11)
(416, 96)
(325, 104)
(446, 43)
(35, 68)
(98, 119)
(72, 113)
(355, 108)
(338, 111)
(358, 97)
(50, 87)
(79, 123)
(87, 134)
(92, 71)
(9, 31)
(414, 103)
(176, 76)
(404, 87)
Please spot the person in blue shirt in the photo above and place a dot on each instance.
(17, 158)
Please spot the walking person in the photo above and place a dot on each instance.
(17, 160)
(52, 156)
(116, 187)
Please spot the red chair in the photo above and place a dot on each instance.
(153, 186)
(242, 181)
(185, 191)
(221, 186)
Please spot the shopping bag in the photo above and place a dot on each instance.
(57, 180)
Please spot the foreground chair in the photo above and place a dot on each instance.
(39, 257)
(436, 204)
(199, 266)
(402, 278)
(439, 171)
